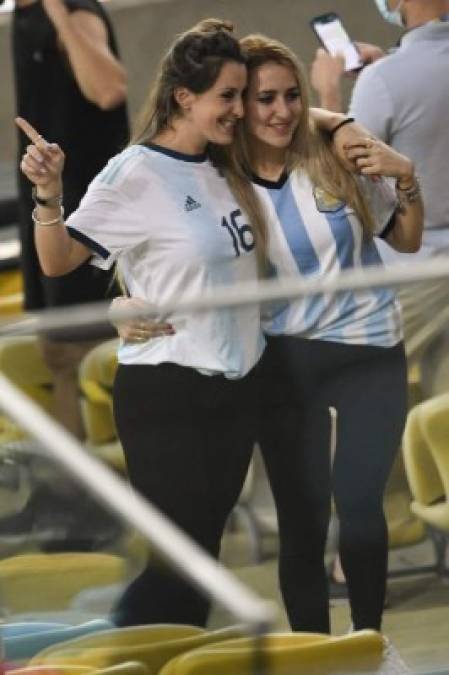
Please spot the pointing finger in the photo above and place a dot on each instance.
(32, 134)
(28, 130)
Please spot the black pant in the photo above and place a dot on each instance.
(187, 439)
(366, 386)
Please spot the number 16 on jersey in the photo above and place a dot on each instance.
(241, 235)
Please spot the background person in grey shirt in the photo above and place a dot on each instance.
(403, 98)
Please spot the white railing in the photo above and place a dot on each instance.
(248, 293)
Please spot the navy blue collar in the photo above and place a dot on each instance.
(184, 157)
(270, 184)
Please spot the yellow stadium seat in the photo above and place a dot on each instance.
(49, 581)
(22, 363)
(284, 654)
(127, 668)
(11, 293)
(125, 637)
(96, 377)
(426, 457)
(404, 528)
(52, 670)
(153, 648)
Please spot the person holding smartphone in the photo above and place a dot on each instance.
(331, 32)
(387, 100)
(339, 56)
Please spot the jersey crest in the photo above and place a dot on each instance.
(325, 201)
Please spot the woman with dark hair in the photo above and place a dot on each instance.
(184, 406)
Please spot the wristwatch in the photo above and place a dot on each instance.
(48, 201)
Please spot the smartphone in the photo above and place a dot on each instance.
(334, 38)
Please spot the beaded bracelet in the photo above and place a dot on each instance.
(48, 223)
(410, 194)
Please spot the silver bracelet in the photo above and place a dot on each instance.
(48, 223)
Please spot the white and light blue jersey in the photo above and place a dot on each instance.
(176, 231)
(311, 234)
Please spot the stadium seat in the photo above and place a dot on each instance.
(96, 377)
(22, 363)
(127, 668)
(11, 293)
(284, 654)
(404, 527)
(38, 582)
(426, 458)
(152, 646)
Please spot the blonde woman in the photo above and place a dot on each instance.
(334, 367)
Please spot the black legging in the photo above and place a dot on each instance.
(187, 439)
(367, 387)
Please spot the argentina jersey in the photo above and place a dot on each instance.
(176, 232)
(311, 234)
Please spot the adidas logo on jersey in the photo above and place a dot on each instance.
(190, 204)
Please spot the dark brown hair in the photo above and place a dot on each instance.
(194, 61)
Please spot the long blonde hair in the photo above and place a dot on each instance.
(310, 148)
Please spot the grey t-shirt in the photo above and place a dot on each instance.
(404, 99)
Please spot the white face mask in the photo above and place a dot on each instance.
(392, 16)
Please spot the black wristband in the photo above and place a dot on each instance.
(48, 201)
(347, 120)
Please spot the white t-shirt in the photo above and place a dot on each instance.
(311, 234)
(175, 229)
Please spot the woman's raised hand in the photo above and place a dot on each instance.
(42, 162)
(138, 329)
(373, 157)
